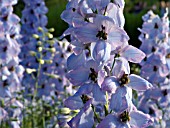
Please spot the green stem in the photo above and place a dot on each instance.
(36, 82)
(32, 119)
(113, 64)
(43, 118)
(106, 106)
(23, 113)
(95, 114)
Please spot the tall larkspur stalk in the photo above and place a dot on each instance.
(44, 80)
(156, 67)
(99, 68)
(11, 72)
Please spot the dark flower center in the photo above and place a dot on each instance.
(5, 83)
(156, 26)
(151, 111)
(84, 98)
(12, 68)
(145, 59)
(165, 92)
(153, 49)
(124, 79)
(124, 117)
(155, 68)
(73, 9)
(93, 75)
(43, 86)
(5, 49)
(102, 34)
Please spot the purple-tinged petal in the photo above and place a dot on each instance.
(119, 102)
(111, 121)
(121, 3)
(75, 61)
(74, 102)
(117, 35)
(67, 32)
(68, 15)
(78, 50)
(93, 64)
(100, 51)
(163, 70)
(97, 4)
(121, 67)
(85, 89)
(3, 114)
(74, 122)
(87, 119)
(105, 21)
(98, 95)
(101, 77)
(116, 13)
(138, 83)
(72, 4)
(86, 33)
(110, 84)
(140, 120)
(78, 76)
(132, 54)
(153, 93)
(14, 19)
(84, 119)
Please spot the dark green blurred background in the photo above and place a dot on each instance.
(134, 10)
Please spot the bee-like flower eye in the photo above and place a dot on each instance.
(102, 34)
(124, 79)
(124, 117)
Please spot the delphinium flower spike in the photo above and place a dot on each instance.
(155, 67)
(99, 66)
(11, 72)
(44, 80)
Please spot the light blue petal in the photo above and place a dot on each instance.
(98, 95)
(78, 76)
(110, 84)
(100, 51)
(74, 102)
(133, 54)
(138, 83)
(75, 61)
(140, 120)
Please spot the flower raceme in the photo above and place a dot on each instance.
(155, 67)
(99, 66)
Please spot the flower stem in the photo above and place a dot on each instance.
(113, 65)
(95, 114)
(106, 106)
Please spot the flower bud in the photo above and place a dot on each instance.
(53, 50)
(51, 30)
(40, 49)
(35, 36)
(51, 42)
(32, 53)
(49, 35)
(29, 70)
(39, 43)
(64, 111)
(40, 29)
(41, 61)
(48, 61)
